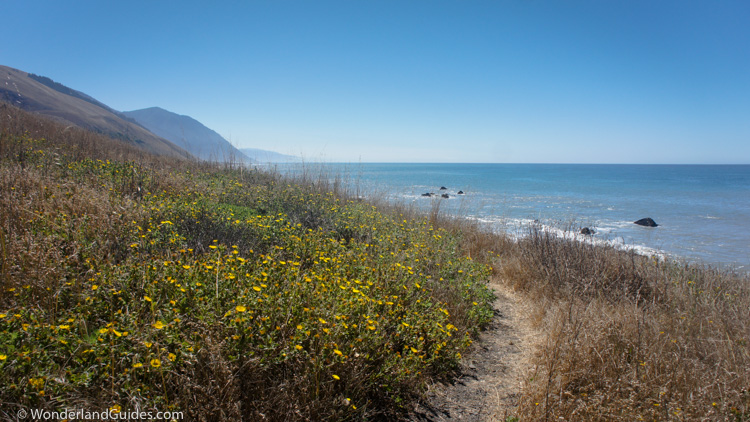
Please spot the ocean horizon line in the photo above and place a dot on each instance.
(506, 163)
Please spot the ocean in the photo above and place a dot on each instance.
(703, 211)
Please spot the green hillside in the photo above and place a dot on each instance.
(137, 282)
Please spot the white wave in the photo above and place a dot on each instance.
(518, 228)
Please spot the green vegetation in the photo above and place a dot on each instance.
(132, 282)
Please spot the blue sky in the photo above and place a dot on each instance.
(597, 81)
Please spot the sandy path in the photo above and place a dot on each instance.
(492, 375)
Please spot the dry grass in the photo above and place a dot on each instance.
(140, 282)
(631, 338)
(626, 337)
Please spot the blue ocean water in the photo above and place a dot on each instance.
(703, 211)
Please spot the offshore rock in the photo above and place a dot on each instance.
(646, 222)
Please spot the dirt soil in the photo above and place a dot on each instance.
(492, 375)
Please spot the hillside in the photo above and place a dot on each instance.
(188, 133)
(215, 292)
(69, 91)
(72, 107)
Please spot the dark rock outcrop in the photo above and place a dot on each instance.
(443, 188)
(445, 195)
(428, 194)
(586, 231)
(646, 222)
(460, 192)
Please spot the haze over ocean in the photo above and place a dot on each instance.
(703, 211)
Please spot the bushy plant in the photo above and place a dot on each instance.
(223, 293)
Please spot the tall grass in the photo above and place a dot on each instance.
(632, 338)
(138, 282)
(623, 336)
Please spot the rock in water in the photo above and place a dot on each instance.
(460, 192)
(646, 222)
(443, 188)
(445, 195)
(587, 231)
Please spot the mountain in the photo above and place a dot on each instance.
(187, 133)
(265, 156)
(69, 91)
(42, 95)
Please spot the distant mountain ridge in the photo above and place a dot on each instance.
(154, 129)
(199, 140)
(265, 156)
(42, 95)
(187, 133)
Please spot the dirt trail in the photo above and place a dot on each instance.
(490, 384)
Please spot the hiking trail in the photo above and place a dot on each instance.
(491, 377)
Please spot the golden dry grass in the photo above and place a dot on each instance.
(632, 338)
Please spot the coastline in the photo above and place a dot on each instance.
(713, 230)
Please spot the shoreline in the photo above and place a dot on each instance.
(621, 234)
(701, 232)
(518, 227)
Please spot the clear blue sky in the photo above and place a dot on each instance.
(574, 81)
